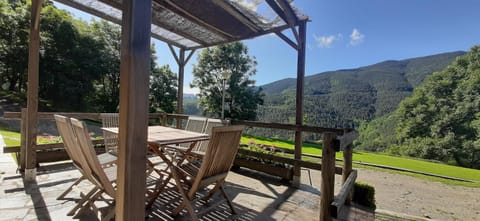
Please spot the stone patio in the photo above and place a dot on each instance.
(255, 196)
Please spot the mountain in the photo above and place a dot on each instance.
(189, 96)
(341, 98)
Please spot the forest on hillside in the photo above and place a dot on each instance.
(440, 121)
(345, 98)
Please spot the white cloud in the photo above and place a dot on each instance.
(250, 4)
(356, 37)
(325, 41)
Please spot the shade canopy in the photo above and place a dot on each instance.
(193, 24)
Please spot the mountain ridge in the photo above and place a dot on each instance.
(344, 97)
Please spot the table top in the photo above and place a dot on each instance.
(166, 135)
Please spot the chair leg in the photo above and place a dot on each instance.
(110, 215)
(157, 192)
(228, 199)
(82, 201)
(91, 202)
(186, 201)
(62, 196)
(210, 193)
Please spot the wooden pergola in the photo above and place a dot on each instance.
(186, 25)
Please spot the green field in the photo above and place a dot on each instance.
(366, 157)
(10, 138)
(13, 139)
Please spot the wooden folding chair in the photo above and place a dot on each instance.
(105, 177)
(211, 123)
(111, 139)
(213, 169)
(74, 152)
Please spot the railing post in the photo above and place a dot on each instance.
(178, 122)
(347, 168)
(164, 119)
(23, 139)
(328, 176)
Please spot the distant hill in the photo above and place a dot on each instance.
(341, 98)
(189, 96)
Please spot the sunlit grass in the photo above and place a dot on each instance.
(11, 138)
(381, 159)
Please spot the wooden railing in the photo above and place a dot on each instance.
(176, 119)
(334, 140)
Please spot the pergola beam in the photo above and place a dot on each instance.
(287, 40)
(291, 18)
(239, 16)
(167, 4)
(133, 122)
(155, 22)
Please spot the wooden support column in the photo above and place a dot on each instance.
(328, 176)
(299, 99)
(181, 76)
(23, 137)
(347, 168)
(133, 123)
(32, 90)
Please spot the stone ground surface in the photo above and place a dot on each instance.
(255, 197)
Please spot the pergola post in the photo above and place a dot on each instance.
(299, 99)
(328, 176)
(134, 76)
(32, 90)
(181, 76)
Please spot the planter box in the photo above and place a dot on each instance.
(284, 173)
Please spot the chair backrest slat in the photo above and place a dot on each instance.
(196, 124)
(88, 151)
(111, 139)
(220, 153)
(211, 123)
(71, 145)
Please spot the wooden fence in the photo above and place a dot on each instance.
(334, 140)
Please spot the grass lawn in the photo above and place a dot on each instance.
(393, 161)
(10, 138)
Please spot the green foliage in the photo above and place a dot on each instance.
(163, 90)
(441, 120)
(79, 62)
(364, 195)
(241, 97)
(378, 134)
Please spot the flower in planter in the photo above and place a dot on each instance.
(48, 139)
(272, 148)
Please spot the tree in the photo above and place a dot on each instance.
(241, 96)
(440, 120)
(14, 23)
(107, 90)
(163, 90)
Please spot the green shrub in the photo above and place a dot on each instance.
(364, 194)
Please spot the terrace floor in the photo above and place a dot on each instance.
(255, 197)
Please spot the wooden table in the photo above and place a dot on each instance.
(162, 140)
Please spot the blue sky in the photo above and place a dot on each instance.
(346, 34)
